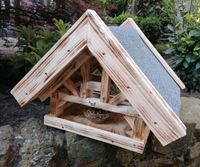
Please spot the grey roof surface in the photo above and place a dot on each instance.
(149, 64)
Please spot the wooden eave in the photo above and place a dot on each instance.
(91, 32)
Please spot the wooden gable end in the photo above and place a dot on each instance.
(90, 32)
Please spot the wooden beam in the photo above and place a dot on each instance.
(52, 64)
(133, 83)
(64, 76)
(96, 103)
(105, 87)
(56, 108)
(138, 127)
(132, 144)
(130, 23)
(94, 86)
(85, 73)
(71, 86)
(117, 99)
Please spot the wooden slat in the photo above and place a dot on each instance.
(131, 24)
(64, 76)
(56, 108)
(138, 127)
(94, 86)
(96, 103)
(130, 121)
(117, 99)
(105, 87)
(132, 82)
(71, 86)
(94, 133)
(85, 73)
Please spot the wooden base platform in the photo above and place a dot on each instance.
(115, 130)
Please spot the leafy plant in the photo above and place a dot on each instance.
(150, 25)
(34, 44)
(185, 47)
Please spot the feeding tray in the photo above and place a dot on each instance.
(108, 84)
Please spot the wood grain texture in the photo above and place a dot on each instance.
(132, 82)
(94, 133)
(105, 87)
(91, 32)
(71, 87)
(131, 24)
(52, 63)
(67, 73)
(117, 99)
(56, 108)
(96, 103)
(85, 73)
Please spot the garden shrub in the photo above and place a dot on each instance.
(150, 25)
(185, 47)
(33, 44)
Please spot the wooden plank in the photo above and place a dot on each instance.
(94, 86)
(94, 133)
(138, 127)
(131, 24)
(56, 108)
(105, 87)
(117, 99)
(130, 121)
(71, 86)
(132, 82)
(96, 103)
(85, 73)
(64, 76)
(53, 62)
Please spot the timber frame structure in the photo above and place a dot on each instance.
(66, 75)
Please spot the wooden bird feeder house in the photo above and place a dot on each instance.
(106, 83)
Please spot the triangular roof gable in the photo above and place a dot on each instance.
(90, 31)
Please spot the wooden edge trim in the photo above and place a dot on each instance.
(96, 103)
(94, 133)
(131, 23)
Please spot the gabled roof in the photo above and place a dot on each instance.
(91, 32)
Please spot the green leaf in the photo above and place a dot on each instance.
(194, 33)
(185, 64)
(197, 66)
(188, 59)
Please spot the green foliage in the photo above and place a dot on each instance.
(122, 17)
(185, 47)
(150, 25)
(34, 44)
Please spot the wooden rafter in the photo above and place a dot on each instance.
(64, 76)
(117, 99)
(69, 84)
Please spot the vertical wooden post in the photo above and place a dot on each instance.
(105, 87)
(138, 127)
(85, 72)
(54, 102)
